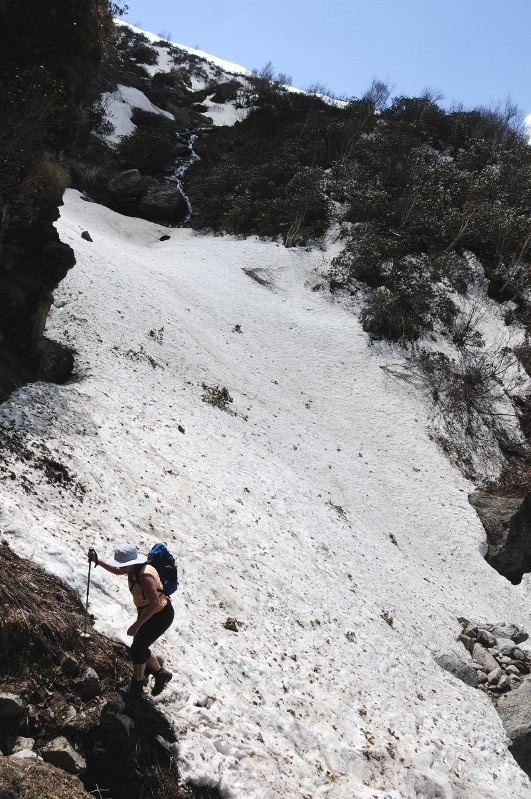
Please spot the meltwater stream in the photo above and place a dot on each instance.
(179, 171)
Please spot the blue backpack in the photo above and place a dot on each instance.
(161, 558)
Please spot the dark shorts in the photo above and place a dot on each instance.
(152, 629)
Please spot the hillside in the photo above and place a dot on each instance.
(300, 330)
(315, 510)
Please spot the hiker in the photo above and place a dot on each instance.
(155, 614)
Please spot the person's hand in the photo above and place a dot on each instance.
(93, 556)
(133, 629)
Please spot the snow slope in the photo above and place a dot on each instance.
(119, 107)
(315, 510)
(226, 66)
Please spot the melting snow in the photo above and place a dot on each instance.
(119, 107)
(226, 66)
(315, 510)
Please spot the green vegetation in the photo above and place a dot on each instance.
(152, 147)
(48, 53)
(267, 174)
(418, 192)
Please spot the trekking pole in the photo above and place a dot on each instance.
(85, 635)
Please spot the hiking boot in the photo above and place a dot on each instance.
(162, 678)
(136, 688)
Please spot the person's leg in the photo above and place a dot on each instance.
(157, 625)
(153, 664)
(140, 652)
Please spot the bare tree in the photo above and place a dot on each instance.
(378, 93)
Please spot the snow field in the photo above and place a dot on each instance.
(315, 510)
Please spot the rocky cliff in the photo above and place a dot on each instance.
(48, 53)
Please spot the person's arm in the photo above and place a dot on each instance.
(149, 586)
(107, 566)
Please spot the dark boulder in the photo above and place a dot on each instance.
(187, 119)
(507, 523)
(127, 185)
(225, 92)
(60, 753)
(56, 362)
(515, 712)
(163, 202)
(11, 706)
(182, 151)
(463, 671)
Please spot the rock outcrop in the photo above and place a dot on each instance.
(46, 66)
(515, 712)
(507, 523)
(158, 200)
(501, 668)
(163, 201)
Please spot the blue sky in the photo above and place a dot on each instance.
(476, 52)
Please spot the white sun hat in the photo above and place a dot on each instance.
(126, 555)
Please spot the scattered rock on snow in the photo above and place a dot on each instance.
(499, 664)
(505, 646)
(512, 631)
(463, 671)
(485, 638)
(484, 658)
(494, 676)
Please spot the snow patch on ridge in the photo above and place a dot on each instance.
(527, 123)
(119, 107)
(226, 66)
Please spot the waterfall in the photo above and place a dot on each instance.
(179, 171)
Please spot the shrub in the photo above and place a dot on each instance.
(407, 304)
(152, 147)
(143, 53)
(472, 385)
(218, 396)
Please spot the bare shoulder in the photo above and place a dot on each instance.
(148, 571)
